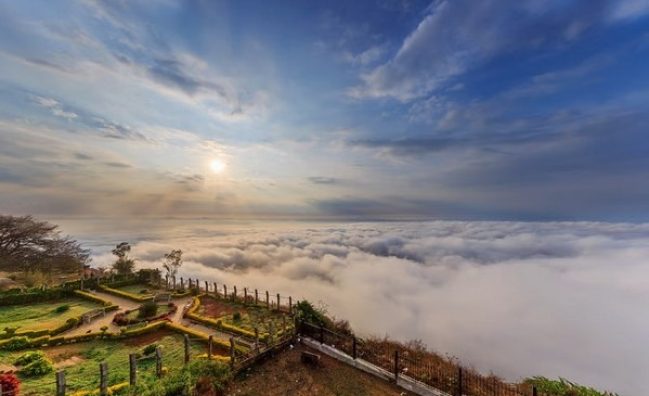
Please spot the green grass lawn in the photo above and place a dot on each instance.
(42, 316)
(81, 361)
(162, 309)
(250, 316)
(138, 288)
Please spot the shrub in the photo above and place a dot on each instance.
(62, 308)
(16, 343)
(563, 387)
(29, 357)
(150, 349)
(37, 368)
(10, 331)
(36, 278)
(148, 309)
(10, 384)
(308, 313)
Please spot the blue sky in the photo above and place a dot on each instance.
(530, 110)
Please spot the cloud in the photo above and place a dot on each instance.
(55, 107)
(456, 36)
(365, 57)
(114, 164)
(88, 120)
(323, 180)
(114, 130)
(629, 9)
(518, 299)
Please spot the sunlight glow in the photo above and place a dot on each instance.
(217, 165)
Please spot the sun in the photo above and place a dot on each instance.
(217, 166)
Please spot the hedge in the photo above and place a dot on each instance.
(28, 334)
(33, 296)
(111, 390)
(215, 357)
(108, 305)
(121, 293)
(191, 314)
(22, 342)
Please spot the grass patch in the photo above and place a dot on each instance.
(135, 314)
(139, 289)
(246, 317)
(81, 361)
(43, 316)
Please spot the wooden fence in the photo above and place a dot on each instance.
(450, 378)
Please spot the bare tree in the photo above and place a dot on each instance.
(124, 264)
(32, 245)
(173, 261)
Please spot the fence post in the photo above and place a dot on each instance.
(209, 347)
(174, 282)
(207, 288)
(216, 290)
(354, 347)
(182, 283)
(225, 291)
(60, 383)
(460, 381)
(132, 369)
(277, 302)
(232, 352)
(245, 296)
(256, 297)
(396, 365)
(321, 334)
(158, 362)
(186, 348)
(298, 326)
(234, 294)
(103, 378)
(290, 305)
(267, 300)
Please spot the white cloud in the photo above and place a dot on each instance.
(629, 9)
(55, 107)
(456, 36)
(519, 299)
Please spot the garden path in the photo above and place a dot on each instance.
(126, 304)
(106, 320)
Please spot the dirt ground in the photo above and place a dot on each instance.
(215, 309)
(286, 375)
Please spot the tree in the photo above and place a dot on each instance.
(124, 264)
(32, 245)
(173, 261)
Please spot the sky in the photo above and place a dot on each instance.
(393, 109)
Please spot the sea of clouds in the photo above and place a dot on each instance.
(516, 299)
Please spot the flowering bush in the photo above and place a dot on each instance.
(10, 384)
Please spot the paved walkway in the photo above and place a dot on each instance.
(126, 304)
(106, 320)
